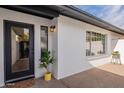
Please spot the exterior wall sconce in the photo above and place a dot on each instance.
(52, 28)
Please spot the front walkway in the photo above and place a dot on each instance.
(106, 76)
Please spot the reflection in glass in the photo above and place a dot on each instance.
(95, 43)
(20, 49)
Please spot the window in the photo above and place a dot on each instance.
(44, 38)
(95, 43)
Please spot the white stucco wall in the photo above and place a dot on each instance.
(55, 47)
(21, 17)
(71, 47)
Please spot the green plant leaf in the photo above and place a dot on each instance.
(46, 59)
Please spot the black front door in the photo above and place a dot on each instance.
(19, 50)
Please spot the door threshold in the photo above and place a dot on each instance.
(19, 79)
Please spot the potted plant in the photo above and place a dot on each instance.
(115, 53)
(46, 60)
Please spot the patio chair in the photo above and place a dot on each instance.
(116, 58)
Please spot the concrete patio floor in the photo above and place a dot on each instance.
(105, 76)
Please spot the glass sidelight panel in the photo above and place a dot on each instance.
(44, 38)
(19, 49)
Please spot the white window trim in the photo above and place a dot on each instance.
(100, 55)
(97, 57)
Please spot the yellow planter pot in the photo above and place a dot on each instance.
(47, 76)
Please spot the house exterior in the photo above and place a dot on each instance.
(79, 41)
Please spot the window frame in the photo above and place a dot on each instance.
(47, 35)
(90, 45)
